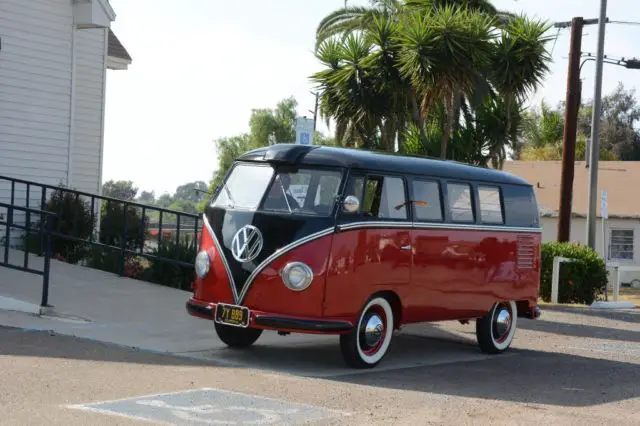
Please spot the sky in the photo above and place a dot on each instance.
(200, 66)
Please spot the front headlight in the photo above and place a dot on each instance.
(203, 263)
(296, 276)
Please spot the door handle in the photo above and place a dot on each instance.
(406, 247)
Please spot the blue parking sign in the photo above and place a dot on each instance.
(304, 138)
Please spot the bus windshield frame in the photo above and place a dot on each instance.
(280, 189)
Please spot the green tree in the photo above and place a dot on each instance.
(542, 136)
(192, 192)
(147, 197)
(165, 200)
(122, 190)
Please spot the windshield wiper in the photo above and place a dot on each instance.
(232, 202)
(284, 193)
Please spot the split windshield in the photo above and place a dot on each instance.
(310, 191)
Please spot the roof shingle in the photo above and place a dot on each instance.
(116, 49)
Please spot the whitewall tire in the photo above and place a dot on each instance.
(495, 331)
(368, 342)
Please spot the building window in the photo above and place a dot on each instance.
(429, 193)
(460, 202)
(490, 205)
(621, 244)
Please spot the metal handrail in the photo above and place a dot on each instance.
(192, 227)
(45, 231)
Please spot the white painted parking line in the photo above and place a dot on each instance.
(212, 407)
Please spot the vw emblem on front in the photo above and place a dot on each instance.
(246, 244)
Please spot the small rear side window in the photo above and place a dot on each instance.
(459, 195)
(490, 204)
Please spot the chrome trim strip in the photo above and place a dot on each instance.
(474, 227)
(432, 225)
(374, 224)
(232, 283)
(279, 253)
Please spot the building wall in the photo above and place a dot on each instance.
(35, 83)
(86, 150)
(51, 129)
(578, 233)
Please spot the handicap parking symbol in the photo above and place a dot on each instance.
(211, 407)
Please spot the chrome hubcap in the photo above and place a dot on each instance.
(502, 322)
(373, 331)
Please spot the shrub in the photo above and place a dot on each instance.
(72, 218)
(112, 226)
(171, 275)
(579, 282)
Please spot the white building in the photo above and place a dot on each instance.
(621, 230)
(54, 57)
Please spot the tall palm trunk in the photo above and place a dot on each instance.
(449, 102)
(417, 118)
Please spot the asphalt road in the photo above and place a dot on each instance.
(566, 368)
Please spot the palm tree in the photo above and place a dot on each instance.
(353, 18)
(394, 67)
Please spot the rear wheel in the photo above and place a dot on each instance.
(495, 330)
(237, 337)
(368, 342)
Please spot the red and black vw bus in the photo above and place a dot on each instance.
(315, 239)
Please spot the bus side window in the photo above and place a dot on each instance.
(460, 206)
(427, 192)
(490, 204)
(382, 196)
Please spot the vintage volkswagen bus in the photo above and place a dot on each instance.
(315, 239)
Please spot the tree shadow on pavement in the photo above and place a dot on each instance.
(580, 330)
(632, 316)
(527, 377)
(19, 342)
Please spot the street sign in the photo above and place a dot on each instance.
(604, 208)
(304, 131)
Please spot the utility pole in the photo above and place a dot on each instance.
(315, 110)
(595, 130)
(572, 104)
(570, 126)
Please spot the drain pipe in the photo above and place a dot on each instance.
(72, 106)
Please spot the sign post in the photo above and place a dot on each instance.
(604, 214)
(304, 131)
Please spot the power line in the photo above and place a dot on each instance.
(625, 22)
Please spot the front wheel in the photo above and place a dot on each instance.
(495, 330)
(237, 337)
(368, 342)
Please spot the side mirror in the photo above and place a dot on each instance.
(351, 204)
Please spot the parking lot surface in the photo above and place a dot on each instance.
(570, 367)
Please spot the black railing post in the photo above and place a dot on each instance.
(26, 238)
(47, 262)
(7, 233)
(123, 243)
(43, 202)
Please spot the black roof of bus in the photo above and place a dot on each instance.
(380, 161)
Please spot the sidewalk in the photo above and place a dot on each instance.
(102, 306)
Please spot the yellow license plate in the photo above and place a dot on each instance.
(237, 316)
